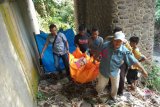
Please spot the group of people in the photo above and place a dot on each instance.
(118, 58)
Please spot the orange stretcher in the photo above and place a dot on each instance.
(82, 68)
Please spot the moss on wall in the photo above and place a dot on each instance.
(29, 70)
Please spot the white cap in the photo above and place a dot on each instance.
(119, 36)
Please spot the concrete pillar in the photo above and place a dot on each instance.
(32, 16)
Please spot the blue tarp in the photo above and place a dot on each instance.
(47, 60)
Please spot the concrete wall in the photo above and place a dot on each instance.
(134, 16)
(18, 54)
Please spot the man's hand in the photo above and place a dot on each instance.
(143, 71)
(94, 62)
(68, 52)
(145, 74)
(41, 55)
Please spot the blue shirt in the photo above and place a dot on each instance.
(95, 44)
(113, 59)
(59, 47)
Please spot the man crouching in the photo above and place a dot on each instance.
(114, 54)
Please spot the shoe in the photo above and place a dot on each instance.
(120, 93)
(109, 88)
(69, 78)
(101, 94)
(94, 93)
(111, 101)
(99, 100)
(57, 76)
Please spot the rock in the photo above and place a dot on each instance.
(43, 82)
(121, 104)
(42, 87)
(60, 98)
(46, 88)
(75, 100)
(41, 103)
(155, 101)
(156, 60)
(64, 81)
(85, 104)
(123, 98)
(102, 105)
(68, 105)
(58, 86)
(126, 96)
(46, 105)
(111, 102)
(54, 105)
(90, 92)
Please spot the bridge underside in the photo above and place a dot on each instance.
(134, 16)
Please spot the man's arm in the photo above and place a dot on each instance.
(89, 43)
(132, 61)
(101, 42)
(76, 41)
(138, 55)
(67, 46)
(64, 39)
(143, 59)
(97, 54)
(44, 48)
(144, 72)
(128, 46)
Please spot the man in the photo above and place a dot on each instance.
(81, 39)
(124, 67)
(114, 54)
(95, 42)
(60, 48)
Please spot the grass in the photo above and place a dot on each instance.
(41, 96)
(153, 81)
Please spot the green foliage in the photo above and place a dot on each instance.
(157, 13)
(153, 80)
(41, 96)
(60, 12)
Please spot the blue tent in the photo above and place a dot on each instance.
(47, 60)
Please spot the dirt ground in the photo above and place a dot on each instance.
(56, 92)
(63, 93)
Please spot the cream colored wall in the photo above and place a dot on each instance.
(18, 56)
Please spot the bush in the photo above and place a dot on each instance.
(59, 12)
(40, 96)
(157, 13)
(153, 80)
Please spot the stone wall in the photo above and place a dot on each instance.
(134, 16)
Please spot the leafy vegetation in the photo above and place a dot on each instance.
(153, 80)
(41, 96)
(157, 13)
(60, 12)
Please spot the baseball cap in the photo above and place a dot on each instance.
(119, 36)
